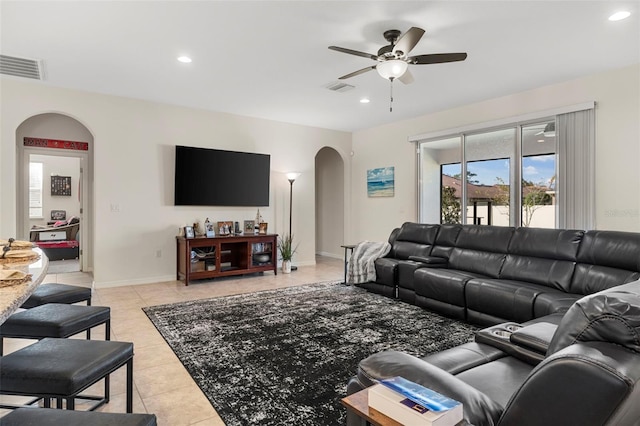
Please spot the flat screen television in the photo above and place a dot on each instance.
(213, 177)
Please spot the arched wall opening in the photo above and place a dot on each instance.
(330, 202)
(58, 161)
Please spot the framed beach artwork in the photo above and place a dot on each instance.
(380, 182)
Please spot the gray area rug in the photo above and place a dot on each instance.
(283, 357)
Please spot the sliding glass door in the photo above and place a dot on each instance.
(492, 163)
(539, 206)
(489, 158)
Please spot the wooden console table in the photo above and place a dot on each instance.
(206, 258)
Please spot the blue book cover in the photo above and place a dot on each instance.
(419, 394)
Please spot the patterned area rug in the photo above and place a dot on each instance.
(283, 357)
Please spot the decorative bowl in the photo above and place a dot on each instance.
(261, 258)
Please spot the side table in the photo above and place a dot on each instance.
(358, 403)
(346, 259)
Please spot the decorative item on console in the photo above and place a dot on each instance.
(258, 221)
(225, 228)
(208, 228)
(262, 229)
(249, 226)
(189, 232)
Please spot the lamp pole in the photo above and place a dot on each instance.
(292, 178)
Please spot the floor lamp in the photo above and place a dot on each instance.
(292, 178)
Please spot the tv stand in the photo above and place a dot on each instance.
(206, 258)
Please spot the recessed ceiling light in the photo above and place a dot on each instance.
(620, 15)
(364, 101)
(184, 59)
(540, 140)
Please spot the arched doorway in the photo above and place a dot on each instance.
(45, 139)
(329, 170)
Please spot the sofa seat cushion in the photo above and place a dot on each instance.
(511, 300)
(445, 285)
(464, 357)
(386, 271)
(553, 302)
(499, 379)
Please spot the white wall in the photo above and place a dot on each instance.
(133, 170)
(617, 97)
(133, 154)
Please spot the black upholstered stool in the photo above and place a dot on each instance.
(62, 368)
(58, 293)
(55, 320)
(44, 416)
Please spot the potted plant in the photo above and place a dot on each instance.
(286, 250)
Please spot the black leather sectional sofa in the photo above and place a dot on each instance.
(563, 309)
(584, 371)
(489, 274)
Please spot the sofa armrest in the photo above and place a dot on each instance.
(535, 336)
(429, 260)
(479, 409)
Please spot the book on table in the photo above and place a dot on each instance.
(412, 404)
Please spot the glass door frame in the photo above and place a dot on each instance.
(515, 190)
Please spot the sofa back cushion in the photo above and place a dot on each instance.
(481, 249)
(606, 259)
(542, 256)
(414, 239)
(612, 316)
(446, 240)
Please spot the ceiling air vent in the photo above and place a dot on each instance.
(339, 86)
(21, 67)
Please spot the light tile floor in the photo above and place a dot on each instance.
(161, 384)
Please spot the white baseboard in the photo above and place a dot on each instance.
(332, 255)
(150, 280)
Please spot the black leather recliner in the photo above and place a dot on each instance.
(590, 374)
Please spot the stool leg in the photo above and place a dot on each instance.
(130, 386)
(59, 403)
(88, 334)
(46, 402)
(71, 403)
(1, 345)
(107, 331)
(106, 388)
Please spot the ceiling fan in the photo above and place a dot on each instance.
(394, 60)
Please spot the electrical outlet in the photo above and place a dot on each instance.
(115, 208)
(158, 253)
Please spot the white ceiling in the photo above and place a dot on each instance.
(270, 59)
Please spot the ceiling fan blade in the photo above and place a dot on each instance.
(353, 74)
(354, 52)
(408, 41)
(406, 78)
(437, 58)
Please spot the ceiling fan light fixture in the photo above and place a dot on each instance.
(392, 68)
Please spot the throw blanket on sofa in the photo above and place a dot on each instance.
(361, 268)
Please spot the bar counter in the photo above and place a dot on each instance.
(12, 297)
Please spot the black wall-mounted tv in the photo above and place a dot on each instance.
(213, 177)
